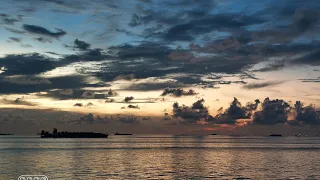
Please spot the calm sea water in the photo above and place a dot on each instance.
(162, 157)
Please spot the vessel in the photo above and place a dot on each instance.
(275, 135)
(124, 134)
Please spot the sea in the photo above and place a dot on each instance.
(161, 157)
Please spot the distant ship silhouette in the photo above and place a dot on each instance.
(123, 134)
(275, 135)
(65, 134)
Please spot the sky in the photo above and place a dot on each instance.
(160, 66)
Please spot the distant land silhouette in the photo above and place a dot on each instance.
(65, 134)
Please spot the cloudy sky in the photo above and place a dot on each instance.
(160, 66)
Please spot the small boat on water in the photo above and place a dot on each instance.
(122, 134)
(275, 135)
(213, 134)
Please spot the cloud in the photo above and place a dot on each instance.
(112, 93)
(110, 100)
(17, 101)
(149, 50)
(127, 99)
(78, 105)
(190, 114)
(271, 67)
(311, 79)
(305, 115)
(7, 19)
(178, 92)
(273, 112)
(77, 94)
(150, 86)
(128, 119)
(30, 84)
(133, 106)
(26, 80)
(89, 55)
(311, 58)
(90, 119)
(305, 19)
(26, 64)
(184, 10)
(15, 39)
(188, 31)
(234, 112)
(26, 46)
(53, 53)
(15, 31)
(81, 45)
(43, 40)
(128, 77)
(260, 85)
(43, 31)
(180, 55)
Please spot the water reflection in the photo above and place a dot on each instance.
(161, 158)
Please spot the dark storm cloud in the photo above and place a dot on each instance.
(190, 114)
(178, 92)
(158, 60)
(245, 41)
(273, 112)
(31, 84)
(26, 64)
(183, 10)
(302, 20)
(150, 86)
(182, 81)
(43, 31)
(188, 31)
(312, 58)
(65, 93)
(260, 85)
(148, 50)
(89, 55)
